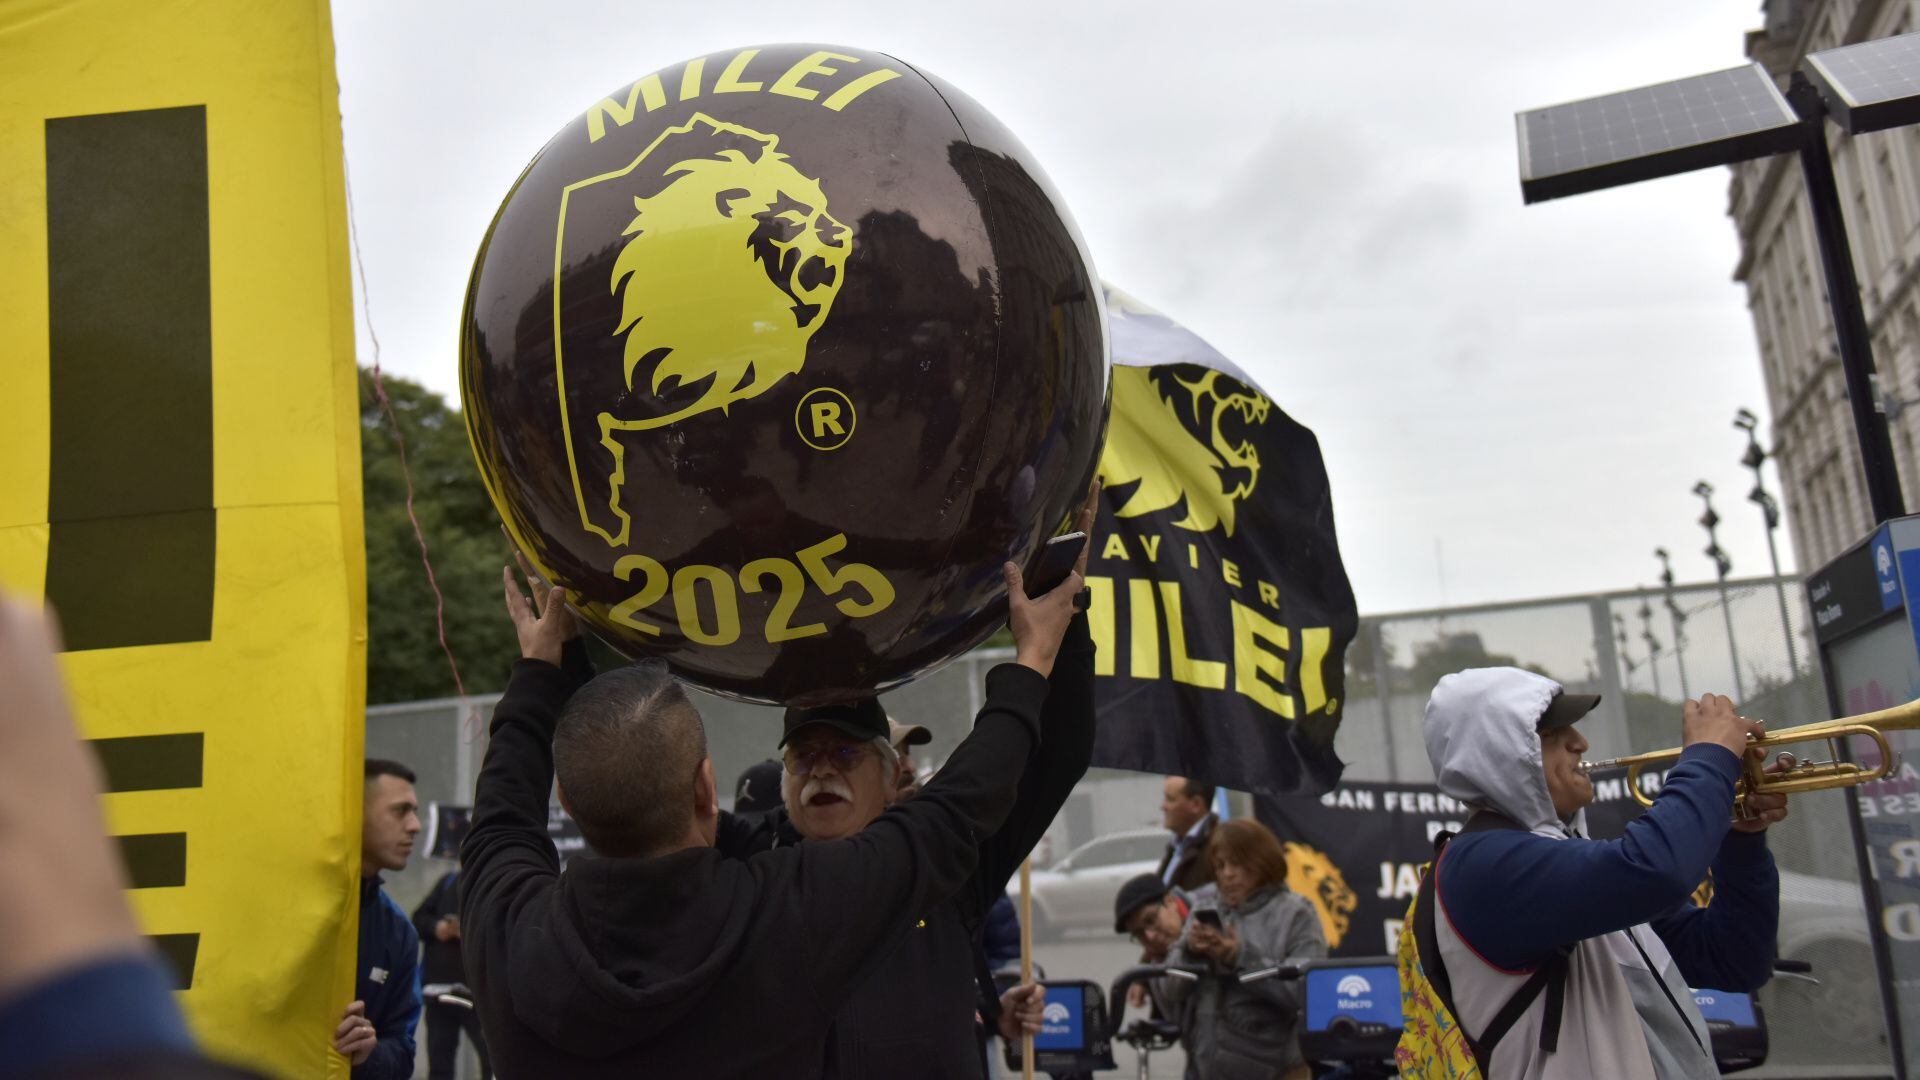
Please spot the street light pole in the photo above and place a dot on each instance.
(1626, 659)
(1653, 643)
(1676, 617)
(1721, 564)
(1770, 509)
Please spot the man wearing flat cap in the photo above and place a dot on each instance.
(1564, 956)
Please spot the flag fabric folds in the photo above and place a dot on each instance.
(1222, 611)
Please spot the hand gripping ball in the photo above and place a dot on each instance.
(772, 358)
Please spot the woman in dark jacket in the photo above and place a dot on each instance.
(1234, 1030)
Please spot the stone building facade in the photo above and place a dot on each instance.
(1879, 179)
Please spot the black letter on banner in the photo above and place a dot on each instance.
(130, 500)
(154, 860)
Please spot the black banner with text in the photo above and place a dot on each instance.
(1221, 611)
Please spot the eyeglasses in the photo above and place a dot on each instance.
(844, 757)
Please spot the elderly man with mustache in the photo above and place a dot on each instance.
(914, 1015)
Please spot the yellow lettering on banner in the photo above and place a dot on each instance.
(730, 78)
(1251, 660)
(646, 90)
(1144, 625)
(844, 96)
(1100, 623)
(690, 78)
(1193, 556)
(1230, 571)
(1315, 643)
(789, 84)
(1152, 544)
(1115, 547)
(1270, 595)
(1206, 674)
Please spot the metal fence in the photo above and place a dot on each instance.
(1830, 1030)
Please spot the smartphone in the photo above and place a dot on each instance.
(1207, 917)
(1056, 562)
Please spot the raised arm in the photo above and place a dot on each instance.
(507, 845)
(855, 893)
(1063, 756)
(1515, 897)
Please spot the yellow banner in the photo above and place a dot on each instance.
(180, 476)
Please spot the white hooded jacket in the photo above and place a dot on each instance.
(1627, 1012)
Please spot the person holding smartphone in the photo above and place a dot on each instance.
(1237, 1030)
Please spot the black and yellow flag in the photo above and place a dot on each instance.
(1222, 611)
(179, 476)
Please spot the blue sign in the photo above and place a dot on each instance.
(1368, 995)
(1725, 1006)
(1063, 1020)
(1883, 570)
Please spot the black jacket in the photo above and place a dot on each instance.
(1194, 871)
(695, 964)
(913, 1014)
(440, 960)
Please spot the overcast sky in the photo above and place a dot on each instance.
(1513, 401)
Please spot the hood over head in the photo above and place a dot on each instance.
(634, 946)
(1484, 746)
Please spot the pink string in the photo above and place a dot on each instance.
(406, 472)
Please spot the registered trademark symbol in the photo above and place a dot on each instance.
(824, 418)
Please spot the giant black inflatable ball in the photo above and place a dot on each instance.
(772, 358)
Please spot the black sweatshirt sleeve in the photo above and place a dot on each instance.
(855, 893)
(1058, 764)
(507, 848)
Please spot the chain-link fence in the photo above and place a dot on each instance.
(1623, 646)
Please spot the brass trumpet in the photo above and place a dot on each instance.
(1802, 775)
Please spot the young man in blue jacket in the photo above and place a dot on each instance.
(376, 1031)
(1532, 892)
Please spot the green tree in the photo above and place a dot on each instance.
(404, 659)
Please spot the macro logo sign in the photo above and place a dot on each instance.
(729, 264)
(1315, 876)
(1354, 986)
(1197, 453)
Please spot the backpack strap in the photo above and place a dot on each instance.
(1550, 976)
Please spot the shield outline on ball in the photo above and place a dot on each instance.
(610, 426)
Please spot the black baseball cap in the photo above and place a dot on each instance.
(1564, 709)
(758, 789)
(862, 719)
(1137, 893)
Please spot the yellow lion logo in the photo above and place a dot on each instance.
(1314, 876)
(1170, 434)
(724, 276)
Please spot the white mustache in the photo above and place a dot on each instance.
(825, 785)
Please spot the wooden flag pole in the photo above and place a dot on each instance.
(1026, 960)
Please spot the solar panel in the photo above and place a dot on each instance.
(1872, 85)
(1674, 127)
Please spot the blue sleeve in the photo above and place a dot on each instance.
(1730, 943)
(1515, 897)
(107, 1009)
(392, 1057)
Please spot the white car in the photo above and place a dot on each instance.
(1077, 892)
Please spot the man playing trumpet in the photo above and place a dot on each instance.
(1526, 901)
